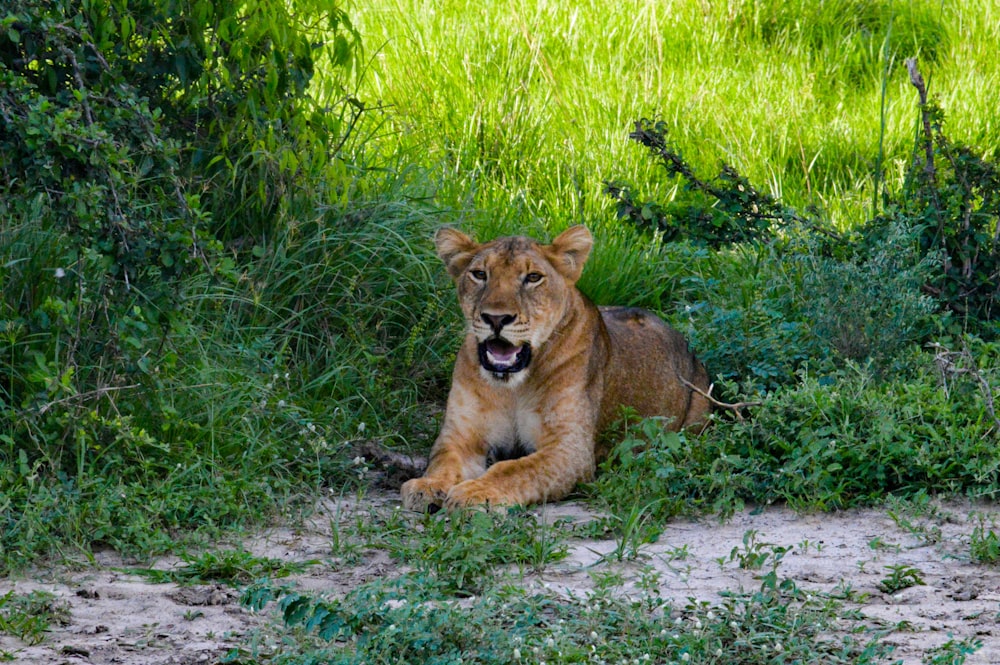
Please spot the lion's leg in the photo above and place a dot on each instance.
(548, 474)
(453, 460)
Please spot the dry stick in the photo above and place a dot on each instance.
(98, 392)
(918, 82)
(398, 466)
(945, 361)
(735, 408)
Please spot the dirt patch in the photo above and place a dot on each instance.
(119, 617)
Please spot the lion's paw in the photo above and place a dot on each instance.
(421, 494)
(477, 494)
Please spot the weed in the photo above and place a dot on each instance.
(233, 567)
(28, 616)
(878, 543)
(984, 544)
(952, 652)
(807, 544)
(901, 576)
(460, 550)
(755, 554)
(394, 621)
(632, 530)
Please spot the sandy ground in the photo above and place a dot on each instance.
(118, 617)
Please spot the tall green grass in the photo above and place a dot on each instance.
(527, 105)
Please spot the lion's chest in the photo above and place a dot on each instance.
(513, 432)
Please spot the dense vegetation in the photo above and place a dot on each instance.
(218, 280)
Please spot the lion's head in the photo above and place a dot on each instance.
(513, 292)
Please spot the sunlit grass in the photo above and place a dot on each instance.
(527, 105)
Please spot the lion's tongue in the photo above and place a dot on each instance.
(501, 353)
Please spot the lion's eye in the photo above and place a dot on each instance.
(478, 275)
(533, 278)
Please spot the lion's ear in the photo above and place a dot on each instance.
(456, 250)
(569, 251)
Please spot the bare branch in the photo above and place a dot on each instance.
(948, 363)
(735, 407)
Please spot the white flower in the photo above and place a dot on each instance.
(60, 273)
(517, 654)
(361, 428)
(685, 657)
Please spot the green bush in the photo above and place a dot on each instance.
(951, 202)
(870, 307)
(834, 440)
(154, 155)
(844, 439)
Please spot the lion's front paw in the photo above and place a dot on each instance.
(421, 494)
(475, 493)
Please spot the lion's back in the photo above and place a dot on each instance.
(651, 369)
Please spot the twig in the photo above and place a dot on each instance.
(398, 467)
(925, 115)
(99, 392)
(947, 364)
(735, 407)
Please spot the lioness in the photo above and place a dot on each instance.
(541, 372)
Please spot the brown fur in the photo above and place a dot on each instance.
(528, 436)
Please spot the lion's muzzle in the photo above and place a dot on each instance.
(499, 356)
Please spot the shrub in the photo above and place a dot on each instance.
(869, 307)
(136, 138)
(951, 201)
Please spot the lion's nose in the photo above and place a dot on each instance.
(497, 321)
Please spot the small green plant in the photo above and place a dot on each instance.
(460, 550)
(633, 531)
(984, 544)
(952, 652)
(879, 543)
(28, 616)
(755, 553)
(233, 567)
(901, 576)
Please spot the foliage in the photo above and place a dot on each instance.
(743, 315)
(869, 307)
(727, 210)
(836, 440)
(985, 544)
(847, 438)
(460, 551)
(233, 567)
(28, 616)
(198, 292)
(952, 199)
(901, 576)
(653, 474)
(397, 620)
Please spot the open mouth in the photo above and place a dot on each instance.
(499, 356)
